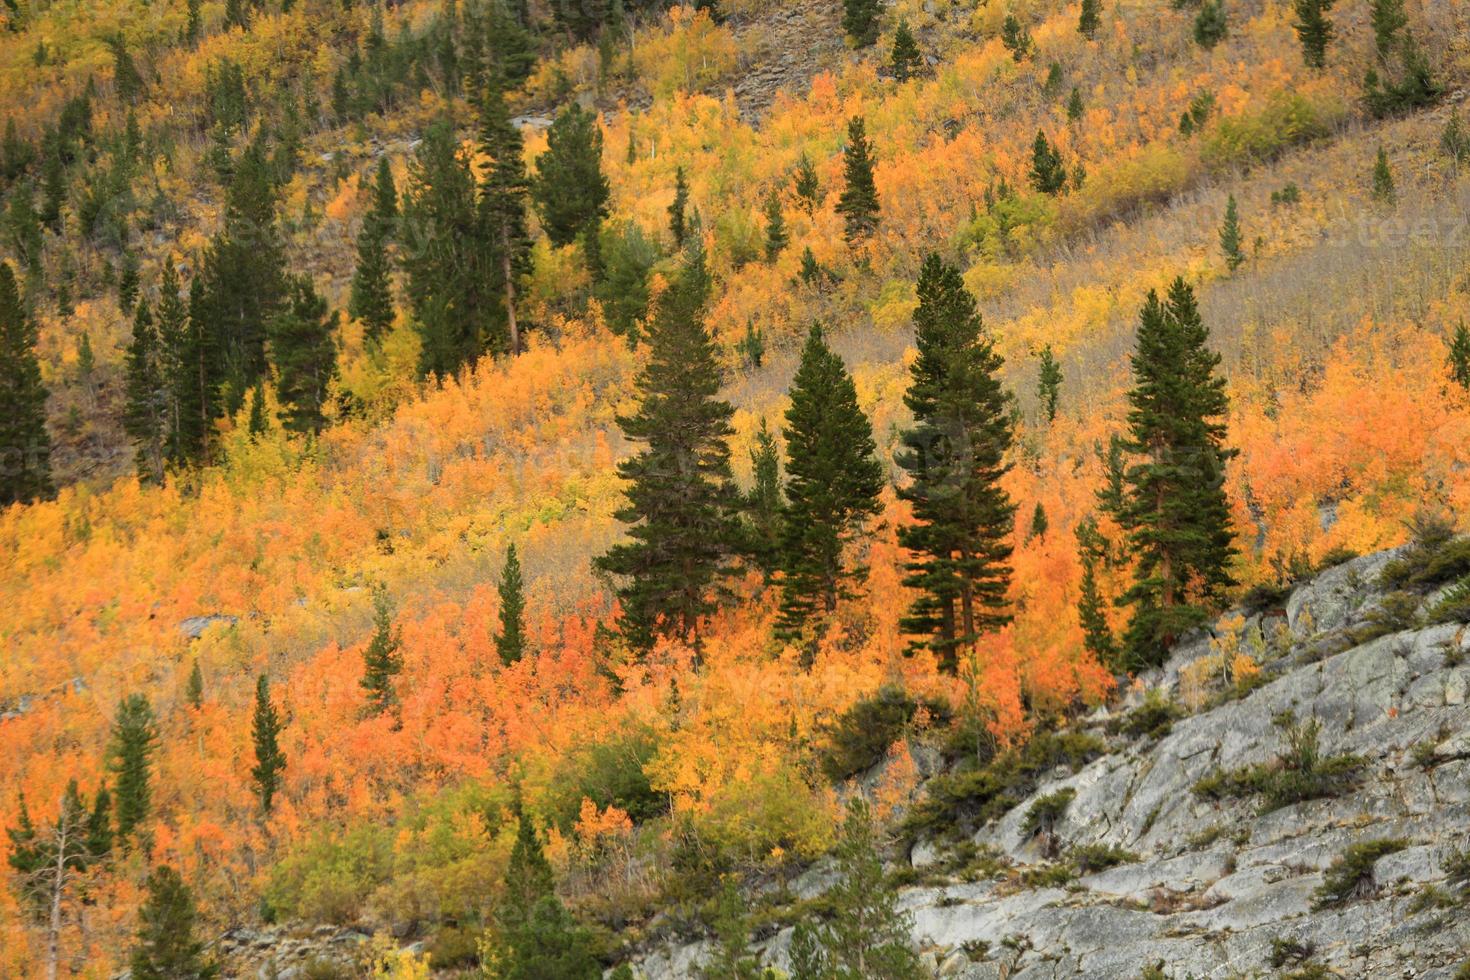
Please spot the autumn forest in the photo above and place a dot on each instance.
(515, 478)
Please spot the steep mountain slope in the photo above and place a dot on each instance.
(1208, 886)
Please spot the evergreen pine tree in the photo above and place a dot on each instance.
(1313, 30)
(1175, 510)
(866, 934)
(257, 423)
(776, 236)
(237, 14)
(1097, 635)
(130, 759)
(303, 346)
(510, 642)
(193, 368)
(25, 447)
(381, 661)
(371, 302)
(1210, 26)
(503, 196)
(1088, 19)
(1459, 356)
(681, 502)
(1230, 236)
(1048, 173)
(528, 876)
(265, 729)
(906, 59)
(99, 826)
(764, 503)
(1074, 105)
(192, 21)
(1383, 188)
(443, 254)
(166, 948)
(1039, 523)
(1015, 38)
(547, 943)
(1411, 86)
(23, 226)
(1049, 383)
(144, 419)
(125, 76)
(955, 456)
(807, 185)
(860, 21)
(569, 188)
(1388, 19)
(194, 689)
(244, 273)
(858, 204)
(811, 272)
(676, 209)
(832, 485)
(53, 185)
(731, 959)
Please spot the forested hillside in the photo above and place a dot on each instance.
(475, 470)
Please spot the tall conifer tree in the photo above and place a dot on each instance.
(858, 204)
(1049, 383)
(130, 759)
(569, 187)
(265, 731)
(681, 504)
(1175, 510)
(145, 418)
(166, 947)
(832, 486)
(1314, 30)
(955, 456)
(510, 642)
(304, 349)
(371, 302)
(764, 504)
(381, 661)
(25, 446)
(503, 196)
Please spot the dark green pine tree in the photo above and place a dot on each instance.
(1048, 383)
(1088, 19)
(166, 948)
(99, 838)
(23, 227)
(681, 505)
(833, 479)
(677, 222)
(53, 184)
(1458, 358)
(1097, 634)
(510, 642)
(1210, 25)
(1388, 19)
(906, 59)
(130, 760)
(244, 273)
(1313, 30)
(1230, 236)
(193, 368)
(569, 188)
(866, 935)
(776, 235)
(858, 204)
(382, 661)
(764, 504)
(860, 21)
(1383, 188)
(1074, 105)
(25, 447)
(126, 78)
(807, 185)
(194, 688)
(265, 731)
(303, 346)
(528, 876)
(443, 254)
(503, 197)
(1175, 510)
(1048, 173)
(1015, 38)
(1039, 523)
(237, 14)
(371, 302)
(193, 23)
(145, 417)
(955, 456)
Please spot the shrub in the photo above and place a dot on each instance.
(859, 739)
(1287, 952)
(454, 947)
(1298, 774)
(1266, 596)
(1043, 816)
(1435, 555)
(1287, 120)
(609, 773)
(1092, 858)
(1351, 874)
(1335, 556)
(1152, 719)
(331, 877)
(1453, 606)
(1432, 897)
(749, 822)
